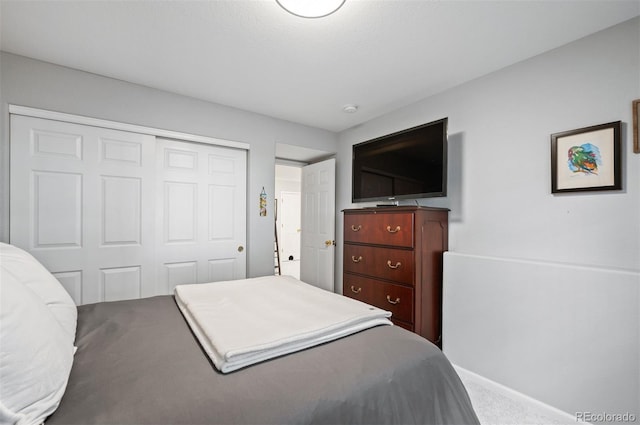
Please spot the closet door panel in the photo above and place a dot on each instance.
(56, 198)
(201, 213)
(79, 196)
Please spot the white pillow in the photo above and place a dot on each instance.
(36, 355)
(31, 273)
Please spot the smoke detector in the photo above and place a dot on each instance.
(350, 109)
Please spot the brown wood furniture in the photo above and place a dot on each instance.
(393, 260)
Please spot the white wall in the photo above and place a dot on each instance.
(37, 84)
(501, 202)
(560, 333)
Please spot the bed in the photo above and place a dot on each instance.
(139, 362)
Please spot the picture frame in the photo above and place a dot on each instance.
(635, 111)
(586, 159)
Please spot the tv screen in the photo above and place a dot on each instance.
(408, 164)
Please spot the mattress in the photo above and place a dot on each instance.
(139, 363)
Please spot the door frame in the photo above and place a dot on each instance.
(115, 125)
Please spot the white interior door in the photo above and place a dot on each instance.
(318, 223)
(80, 201)
(200, 213)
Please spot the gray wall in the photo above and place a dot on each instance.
(28, 82)
(500, 198)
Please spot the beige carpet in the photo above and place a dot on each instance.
(495, 408)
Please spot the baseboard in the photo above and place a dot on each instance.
(532, 403)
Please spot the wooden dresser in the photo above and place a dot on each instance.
(393, 260)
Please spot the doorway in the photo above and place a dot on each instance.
(305, 222)
(308, 175)
(288, 190)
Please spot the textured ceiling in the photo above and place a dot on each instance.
(252, 55)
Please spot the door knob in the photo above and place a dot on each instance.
(329, 243)
(240, 248)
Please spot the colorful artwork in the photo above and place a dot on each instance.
(584, 158)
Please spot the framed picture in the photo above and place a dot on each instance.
(586, 159)
(635, 111)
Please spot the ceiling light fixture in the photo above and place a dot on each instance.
(311, 8)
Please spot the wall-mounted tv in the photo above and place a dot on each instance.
(409, 164)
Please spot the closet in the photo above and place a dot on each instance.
(117, 214)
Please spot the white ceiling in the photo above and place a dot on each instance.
(252, 55)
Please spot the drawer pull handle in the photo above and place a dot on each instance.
(354, 290)
(397, 300)
(356, 259)
(390, 230)
(356, 229)
(393, 266)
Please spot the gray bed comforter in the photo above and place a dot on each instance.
(138, 363)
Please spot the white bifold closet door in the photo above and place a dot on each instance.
(120, 215)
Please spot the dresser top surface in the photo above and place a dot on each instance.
(400, 208)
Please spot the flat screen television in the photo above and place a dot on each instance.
(409, 164)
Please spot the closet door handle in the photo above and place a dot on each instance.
(356, 259)
(393, 266)
(354, 290)
(394, 302)
(356, 229)
(390, 230)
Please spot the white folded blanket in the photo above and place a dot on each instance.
(243, 322)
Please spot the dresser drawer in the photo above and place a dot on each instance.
(394, 298)
(380, 229)
(358, 288)
(383, 263)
